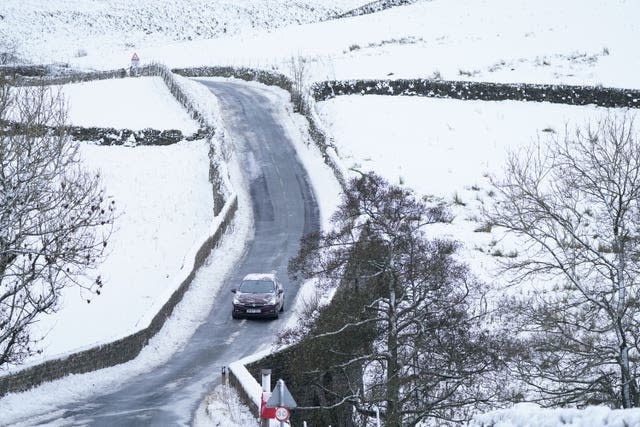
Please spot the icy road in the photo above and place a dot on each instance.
(284, 209)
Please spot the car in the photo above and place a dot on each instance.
(259, 295)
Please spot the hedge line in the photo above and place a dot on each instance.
(110, 136)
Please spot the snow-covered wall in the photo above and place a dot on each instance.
(482, 91)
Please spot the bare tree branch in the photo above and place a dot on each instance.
(55, 220)
(574, 202)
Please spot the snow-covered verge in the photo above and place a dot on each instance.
(530, 415)
(224, 407)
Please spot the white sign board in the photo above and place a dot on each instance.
(281, 397)
(282, 414)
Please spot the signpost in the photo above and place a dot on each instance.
(282, 401)
(135, 61)
(266, 413)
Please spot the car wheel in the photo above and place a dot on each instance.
(282, 307)
(234, 316)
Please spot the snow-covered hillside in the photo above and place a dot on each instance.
(441, 147)
(59, 30)
(572, 41)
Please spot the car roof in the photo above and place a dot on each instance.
(260, 276)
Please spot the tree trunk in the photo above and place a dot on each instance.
(393, 416)
(625, 370)
(626, 377)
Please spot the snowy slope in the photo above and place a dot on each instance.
(58, 30)
(164, 208)
(448, 148)
(131, 103)
(154, 231)
(573, 41)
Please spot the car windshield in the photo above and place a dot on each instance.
(257, 286)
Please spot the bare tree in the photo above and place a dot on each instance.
(54, 217)
(298, 71)
(407, 326)
(575, 203)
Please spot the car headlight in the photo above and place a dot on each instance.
(236, 301)
(273, 300)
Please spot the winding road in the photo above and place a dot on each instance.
(284, 209)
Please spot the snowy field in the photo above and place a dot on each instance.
(447, 148)
(573, 41)
(530, 415)
(132, 103)
(164, 209)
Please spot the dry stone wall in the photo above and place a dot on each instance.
(482, 91)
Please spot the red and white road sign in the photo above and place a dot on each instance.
(265, 412)
(282, 413)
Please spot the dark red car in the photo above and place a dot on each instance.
(259, 295)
